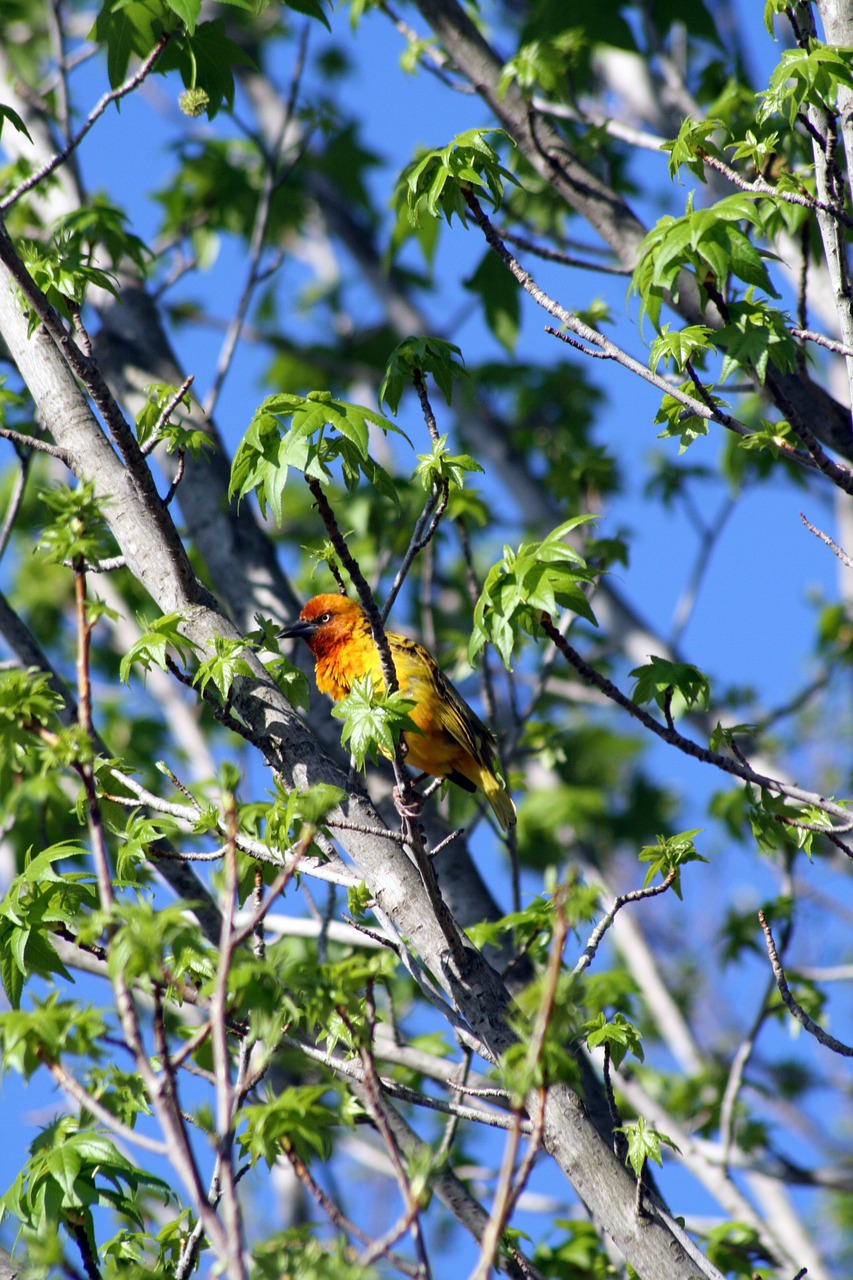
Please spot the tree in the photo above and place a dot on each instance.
(176, 798)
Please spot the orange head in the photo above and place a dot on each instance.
(327, 622)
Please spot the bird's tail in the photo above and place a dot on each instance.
(500, 800)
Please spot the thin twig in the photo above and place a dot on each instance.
(846, 560)
(759, 186)
(564, 259)
(15, 502)
(636, 895)
(690, 748)
(165, 414)
(32, 442)
(845, 1051)
(88, 1102)
(97, 111)
(809, 335)
(374, 1103)
(224, 1091)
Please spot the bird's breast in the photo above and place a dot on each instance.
(337, 667)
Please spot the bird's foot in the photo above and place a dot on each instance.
(408, 802)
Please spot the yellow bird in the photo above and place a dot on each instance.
(453, 742)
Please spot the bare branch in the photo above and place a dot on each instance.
(97, 111)
(845, 1051)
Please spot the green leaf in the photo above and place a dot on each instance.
(671, 853)
(435, 183)
(756, 334)
(693, 142)
(373, 720)
(27, 703)
(298, 1119)
(707, 242)
(442, 360)
(78, 530)
(682, 423)
(540, 577)
(162, 634)
(176, 435)
(187, 10)
(440, 467)
(660, 680)
(224, 667)
(619, 1034)
(680, 346)
(806, 77)
(542, 63)
(644, 1144)
(10, 114)
(311, 9)
(270, 447)
(125, 27)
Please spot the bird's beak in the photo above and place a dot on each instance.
(298, 630)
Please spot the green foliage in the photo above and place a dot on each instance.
(541, 577)
(49, 1031)
(440, 467)
(374, 720)
(441, 360)
(63, 271)
(695, 140)
(708, 242)
(175, 435)
(755, 334)
(681, 423)
(71, 1171)
(436, 183)
(542, 64)
(676, 687)
(224, 667)
(201, 51)
(100, 225)
(520, 1069)
(159, 945)
(644, 1143)
(270, 448)
(78, 530)
(27, 704)
(669, 855)
(736, 1249)
(38, 902)
(297, 1119)
(578, 1254)
(238, 197)
(804, 77)
(10, 114)
(620, 1036)
(291, 680)
(679, 347)
(530, 930)
(298, 1252)
(152, 647)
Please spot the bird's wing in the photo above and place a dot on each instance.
(425, 682)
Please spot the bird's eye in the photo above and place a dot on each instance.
(325, 617)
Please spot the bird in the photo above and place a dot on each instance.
(453, 742)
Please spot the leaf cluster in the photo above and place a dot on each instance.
(435, 184)
(540, 577)
(322, 431)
